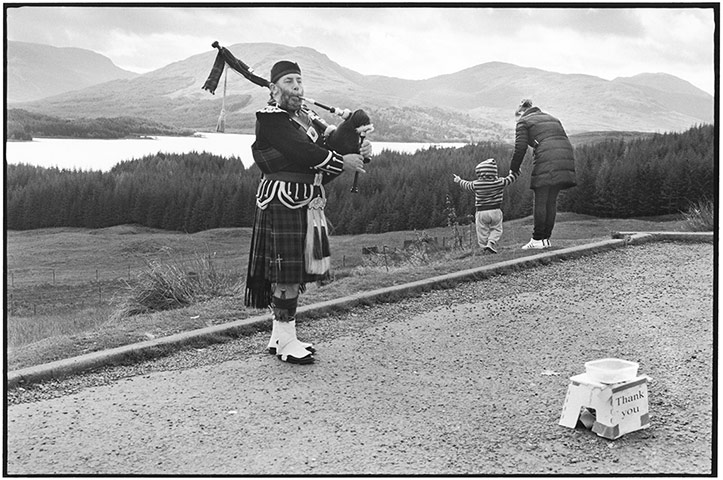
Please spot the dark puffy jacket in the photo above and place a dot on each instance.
(554, 163)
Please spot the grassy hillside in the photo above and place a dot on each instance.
(474, 103)
(24, 125)
(66, 286)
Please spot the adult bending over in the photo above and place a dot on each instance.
(553, 167)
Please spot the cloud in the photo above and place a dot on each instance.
(407, 42)
(589, 22)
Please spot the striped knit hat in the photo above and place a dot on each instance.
(486, 168)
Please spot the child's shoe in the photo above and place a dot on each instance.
(534, 245)
(490, 247)
(546, 242)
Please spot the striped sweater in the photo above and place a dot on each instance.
(487, 191)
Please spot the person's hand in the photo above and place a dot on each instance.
(353, 162)
(456, 178)
(366, 148)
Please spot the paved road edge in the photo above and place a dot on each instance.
(217, 333)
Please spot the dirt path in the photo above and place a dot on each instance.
(464, 381)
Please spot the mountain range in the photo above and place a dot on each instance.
(470, 105)
(36, 71)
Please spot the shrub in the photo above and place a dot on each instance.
(177, 284)
(700, 216)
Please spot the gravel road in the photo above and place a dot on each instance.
(469, 380)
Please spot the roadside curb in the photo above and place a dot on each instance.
(672, 236)
(217, 333)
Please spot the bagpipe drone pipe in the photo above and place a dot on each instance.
(343, 138)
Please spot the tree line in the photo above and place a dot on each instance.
(24, 125)
(655, 175)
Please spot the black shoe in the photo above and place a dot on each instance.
(272, 350)
(298, 361)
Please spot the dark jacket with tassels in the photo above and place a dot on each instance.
(289, 156)
(554, 162)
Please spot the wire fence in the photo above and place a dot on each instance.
(54, 300)
(47, 291)
(79, 275)
(23, 277)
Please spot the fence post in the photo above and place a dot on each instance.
(99, 294)
(96, 274)
(384, 250)
(343, 261)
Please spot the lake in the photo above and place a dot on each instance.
(102, 155)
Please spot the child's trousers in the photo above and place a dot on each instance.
(489, 226)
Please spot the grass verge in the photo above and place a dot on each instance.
(75, 337)
(700, 217)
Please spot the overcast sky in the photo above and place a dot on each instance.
(410, 43)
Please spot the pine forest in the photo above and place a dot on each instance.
(649, 176)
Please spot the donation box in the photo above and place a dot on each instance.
(611, 408)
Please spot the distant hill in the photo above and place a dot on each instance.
(663, 83)
(22, 125)
(36, 71)
(582, 102)
(470, 105)
(673, 92)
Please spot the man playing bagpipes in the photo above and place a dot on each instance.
(289, 243)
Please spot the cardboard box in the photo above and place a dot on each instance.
(620, 408)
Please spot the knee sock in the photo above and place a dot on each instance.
(284, 308)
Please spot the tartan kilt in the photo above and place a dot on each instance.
(279, 232)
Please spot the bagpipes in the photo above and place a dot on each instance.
(345, 138)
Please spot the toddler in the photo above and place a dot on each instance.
(488, 189)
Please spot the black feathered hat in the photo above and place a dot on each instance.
(284, 67)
